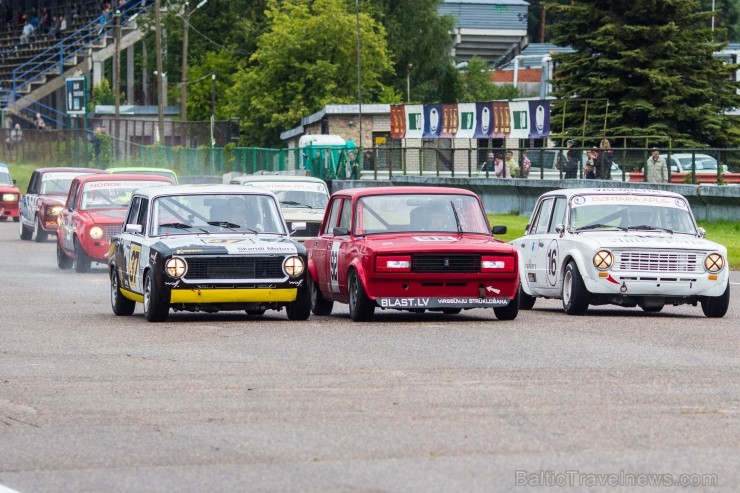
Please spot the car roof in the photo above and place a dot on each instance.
(68, 170)
(570, 192)
(688, 154)
(134, 169)
(214, 189)
(278, 178)
(404, 190)
(123, 177)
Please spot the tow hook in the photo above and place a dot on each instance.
(481, 291)
(623, 287)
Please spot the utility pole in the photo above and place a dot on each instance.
(117, 76)
(184, 83)
(160, 73)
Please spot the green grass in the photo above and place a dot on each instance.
(722, 232)
(21, 173)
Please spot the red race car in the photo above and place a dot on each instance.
(94, 212)
(9, 195)
(411, 248)
(44, 199)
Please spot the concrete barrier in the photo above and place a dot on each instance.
(709, 202)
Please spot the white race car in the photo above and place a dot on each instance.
(623, 247)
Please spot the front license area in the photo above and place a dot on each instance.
(455, 302)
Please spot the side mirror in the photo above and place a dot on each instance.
(133, 228)
(701, 231)
(499, 230)
(298, 226)
(340, 231)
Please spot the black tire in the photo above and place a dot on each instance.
(361, 308)
(300, 309)
(16, 219)
(24, 233)
(451, 311)
(716, 306)
(526, 302)
(652, 309)
(121, 305)
(38, 234)
(575, 295)
(256, 313)
(82, 261)
(155, 308)
(510, 311)
(63, 261)
(319, 304)
(3, 219)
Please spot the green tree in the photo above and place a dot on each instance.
(476, 84)
(653, 62)
(307, 59)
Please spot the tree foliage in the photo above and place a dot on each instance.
(306, 60)
(476, 84)
(653, 61)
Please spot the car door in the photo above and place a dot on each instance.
(533, 243)
(549, 259)
(332, 242)
(28, 201)
(132, 245)
(318, 254)
(66, 226)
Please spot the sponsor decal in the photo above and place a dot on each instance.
(553, 259)
(434, 238)
(61, 176)
(446, 302)
(617, 199)
(299, 186)
(121, 185)
(183, 251)
(334, 266)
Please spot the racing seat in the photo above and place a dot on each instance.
(219, 212)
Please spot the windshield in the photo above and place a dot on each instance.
(57, 183)
(625, 212)
(702, 162)
(115, 194)
(154, 172)
(5, 177)
(313, 195)
(420, 213)
(216, 213)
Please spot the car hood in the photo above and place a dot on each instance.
(229, 243)
(302, 214)
(109, 216)
(425, 242)
(51, 199)
(9, 189)
(649, 240)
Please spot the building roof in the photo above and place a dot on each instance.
(335, 109)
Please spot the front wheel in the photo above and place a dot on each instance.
(575, 295)
(121, 305)
(38, 235)
(361, 308)
(716, 306)
(300, 309)
(319, 304)
(510, 311)
(82, 261)
(155, 309)
(25, 234)
(63, 261)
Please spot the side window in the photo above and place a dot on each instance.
(345, 219)
(33, 183)
(536, 217)
(142, 215)
(72, 197)
(333, 215)
(542, 219)
(133, 212)
(558, 214)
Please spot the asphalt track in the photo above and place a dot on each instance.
(90, 402)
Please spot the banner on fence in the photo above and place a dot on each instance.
(492, 119)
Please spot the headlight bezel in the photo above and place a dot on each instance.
(96, 233)
(294, 266)
(714, 262)
(10, 197)
(176, 267)
(603, 260)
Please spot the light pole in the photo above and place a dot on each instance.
(213, 109)
(117, 60)
(160, 73)
(184, 84)
(408, 82)
(359, 72)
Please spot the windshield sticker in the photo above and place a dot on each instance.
(127, 185)
(61, 176)
(301, 186)
(616, 199)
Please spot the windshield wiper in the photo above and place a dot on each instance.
(233, 226)
(180, 226)
(295, 204)
(648, 227)
(457, 218)
(599, 225)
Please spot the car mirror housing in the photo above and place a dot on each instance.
(298, 226)
(133, 228)
(340, 231)
(499, 230)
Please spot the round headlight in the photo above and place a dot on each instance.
(56, 210)
(603, 260)
(96, 232)
(9, 197)
(714, 262)
(293, 266)
(176, 267)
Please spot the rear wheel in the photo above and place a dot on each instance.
(526, 302)
(25, 234)
(82, 261)
(121, 305)
(319, 304)
(716, 307)
(300, 309)
(38, 235)
(63, 261)
(155, 309)
(361, 308)
(575, 295)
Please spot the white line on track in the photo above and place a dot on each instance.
(5, 489)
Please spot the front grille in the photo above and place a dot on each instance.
(111, 231)
(445, 263)
(235, 268)
(657, 262)
(312, 229)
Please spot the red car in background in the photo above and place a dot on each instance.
(93, 213)
(44, 199)
(410, 248)
(9, 195)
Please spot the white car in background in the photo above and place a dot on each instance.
(302, 199)
(625, 247)
(680, 162)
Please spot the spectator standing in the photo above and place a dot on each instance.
(500, 167)
(511, 164)
(656, 169)
(569, 162)
(39, 122)
(526, 164)
(489, 163)
(603, 165)
(16, 135)
(368, 162)
(589, 171)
